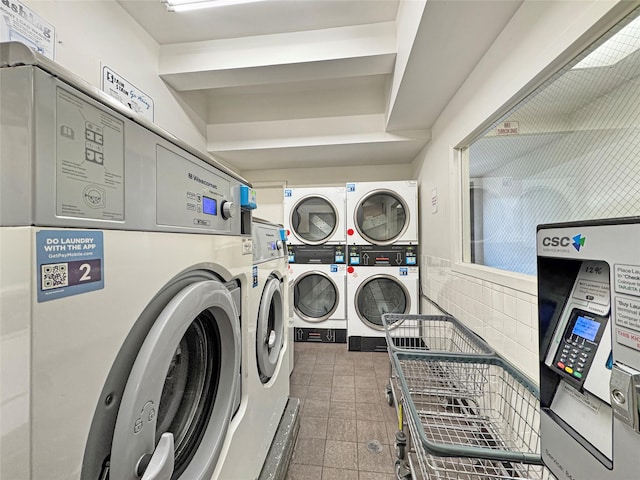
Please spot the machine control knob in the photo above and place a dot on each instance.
(227, 210)
(279, 245)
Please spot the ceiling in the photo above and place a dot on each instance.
(308, 83)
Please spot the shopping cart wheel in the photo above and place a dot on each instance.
(401, 445)
(401, 470)
(389, 395)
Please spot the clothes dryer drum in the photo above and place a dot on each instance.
(374, 291)
(314, 216)
(382, 213)
(124, 280)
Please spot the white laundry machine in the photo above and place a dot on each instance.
(267, 357)
(318, 276)
(125, 276)
(374, 291)
(382, 213)
(314, 216)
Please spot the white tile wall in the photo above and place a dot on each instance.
(506, 318)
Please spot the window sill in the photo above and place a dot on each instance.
(516, 281)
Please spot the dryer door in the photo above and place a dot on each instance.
(270, 329)
(314, 219)
(378, 295)
(315, 296)
(179, 398)
(381, 217)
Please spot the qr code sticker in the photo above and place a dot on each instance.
(55, 275)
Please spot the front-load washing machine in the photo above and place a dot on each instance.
(314, 216)
(374, 291)
(124, 284)
(382, 213)
(318, 276)
(266, 350)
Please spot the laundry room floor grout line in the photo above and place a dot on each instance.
(347, 429)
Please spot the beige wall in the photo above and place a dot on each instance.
(540, 37)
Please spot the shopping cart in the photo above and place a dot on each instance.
(435, 333)
(469, 417)
(428, 333)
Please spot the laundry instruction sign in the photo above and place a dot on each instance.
(127, 94)
(69, 262)
(18, 23)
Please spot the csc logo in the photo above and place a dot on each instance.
(556, 241)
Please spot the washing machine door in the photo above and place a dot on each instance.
(180, 394)
(314, 219)
(381, 216)
(315, 296)
(378, 295)
(270, 329)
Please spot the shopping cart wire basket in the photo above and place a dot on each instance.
(470, 417)
(433, 333)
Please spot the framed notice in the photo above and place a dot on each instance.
(19, 23)
(126, 93)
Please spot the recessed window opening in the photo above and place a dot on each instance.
(569, 151)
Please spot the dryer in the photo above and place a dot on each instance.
(382, 213)
(266, 354)
(314, 216)
(318, 276)
(373, 291)
(124, 285)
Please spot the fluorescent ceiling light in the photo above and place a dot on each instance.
(187, 5)
(621, 45)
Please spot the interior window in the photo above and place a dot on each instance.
(569, 151)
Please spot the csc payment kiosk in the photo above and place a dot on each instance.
(589, 327)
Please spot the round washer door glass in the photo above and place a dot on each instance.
(314, 220)
(270, 329)
(381, 217)
(379, 295)
(190, 389)
(315, 296)
(183, 385)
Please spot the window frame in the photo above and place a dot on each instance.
(459, 171)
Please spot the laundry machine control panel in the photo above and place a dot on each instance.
(191, 195)
(84, 159)
(267, 241)
(316, 254)
(377, 256)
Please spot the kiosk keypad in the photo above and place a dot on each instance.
(579, 344)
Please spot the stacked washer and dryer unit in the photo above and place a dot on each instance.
(126, 295)
(353, 256)
(317, 270)
(382, 252)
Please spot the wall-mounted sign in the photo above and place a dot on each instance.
(19, 23)
(508, 128)
(126, 93)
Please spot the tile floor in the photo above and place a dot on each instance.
(347, 429)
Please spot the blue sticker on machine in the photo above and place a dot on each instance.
(351, 187)
(69, 262)
(255, 276)
(404, 271)
(287, 192)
